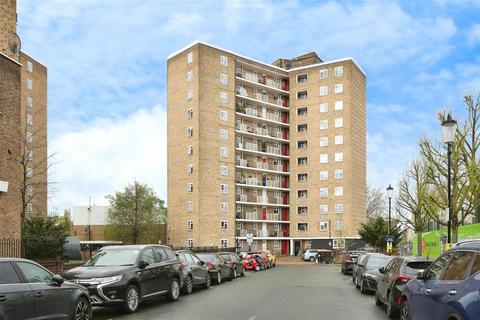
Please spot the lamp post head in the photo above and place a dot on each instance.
(389, 191)
(449, 128)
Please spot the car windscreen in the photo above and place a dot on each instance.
(375, 262)
(206, 257)
(118, 257)
(226, 257)
(413, 267)
(360, 258)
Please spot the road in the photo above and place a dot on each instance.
(300, 292)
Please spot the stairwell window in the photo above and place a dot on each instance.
(189, 76)
(190, 187)
(223, 152)
(189, 57)
(29, 84)
(224, 224)
(323, 90)
(224, 79)
(189, 225)
(302, 95)
(338, 105)
(302, 226)
(323, 74)
(339, 88)
(339, 71)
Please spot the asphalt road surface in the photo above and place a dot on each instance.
(297, 292)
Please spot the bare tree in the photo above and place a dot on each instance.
(376, 203)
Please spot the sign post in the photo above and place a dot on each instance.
(389, 240)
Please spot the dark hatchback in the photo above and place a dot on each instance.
(367, 271)
(29, 291)
(195, 273)
(392, 281)
(217, 267)
(126, 275)
(348, 261)
(235, 263)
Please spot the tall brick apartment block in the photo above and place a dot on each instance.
(276, 153)
(23, 127)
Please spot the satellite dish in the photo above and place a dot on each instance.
(14, 44)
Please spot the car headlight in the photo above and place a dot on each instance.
(370, 276)
(107, 279)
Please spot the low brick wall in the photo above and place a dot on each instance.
(55, 266)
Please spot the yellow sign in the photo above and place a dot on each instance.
(389, 247)
(447, 246)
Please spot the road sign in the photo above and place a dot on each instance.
(249, 238)
(389, 239)
(389, 247)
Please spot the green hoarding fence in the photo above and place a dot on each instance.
(432, 239)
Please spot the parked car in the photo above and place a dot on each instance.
(126, 275)
(367, 272)
(261, 260)
(217, 267)
(447, 289)
(309, 255)
(195, 273)
(358, 260)
(29, 291)
(392, 281)
(271, 258)
(250, 263)
(235, 263)
(348, 261)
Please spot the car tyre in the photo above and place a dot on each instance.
(82, 310)
(208, 282)
(230, 275)
(392, 311)
(378, 302)
(405, 311)
(218, 279)
(132, 299)
(235, 272)
(243, 272)
(174, 291)
(188, 285)
(311, 259)
(362, 287)
(257, 268)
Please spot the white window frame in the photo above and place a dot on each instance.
(338, 105)
(304, 192)
(29, 208)
(223, 79)
(224, 152)
(29, 191)
(190, 243)
(339, 225)
(224, 225)
(223, 170)
(190, 76)
(303, 223)
(338, 191)
(338, 71)
(223, 115)
(339, 208)
(189, 113)
(323, 107)
(302, 75)
(224, 97)
(224, 60)
(29, 102)
(338, 88)
(189, 169)
(29, 155)
(190, 132)
(189, 206)
(29, 66)
(29, 172)
(338, 156)
(224, 134)
(302, 210)
(324, 192)
(189, 94)
(29, 119)
(339, 139)
(323, 91)
(324, 141)
(338, 174)
(190, 150)
(29, 84)
(306, 95)
(223, 243)
(324, 175)
(302, 109)
(190, 57)
(323, 209)
(324, 158)
(323, 124)
(29, 137)
(338, 122)
(189, 224)
(323, 74)
(223, 206)
(324, 225)
(190, 187)
(224, 188)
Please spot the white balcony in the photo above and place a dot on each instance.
(278, 200)
(242, 127)
(261, 199)
(278, 104)
(243, 233)
(273, 216)
(273, 184)
(268, 117)
(262, 165)
(253, 149)
(251, 146)
(262, 131)
(273, 150)
(243, 198)
(251, 181)
(251, 112)
(262, 233)
(243, 163)
(269, 84)
(251, 216)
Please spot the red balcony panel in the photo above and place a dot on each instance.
(285, 85)
(285, 165)
(284, 214)
(284, 247)
(284, 117)
(264, 214)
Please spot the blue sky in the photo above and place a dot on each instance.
(107, 74)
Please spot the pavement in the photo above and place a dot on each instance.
(288, 291)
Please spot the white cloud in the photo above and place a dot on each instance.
(108, 154)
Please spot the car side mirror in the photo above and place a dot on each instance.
(381, 270)
(143, 264)
(57, 279)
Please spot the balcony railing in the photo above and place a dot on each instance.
(243, 162)
(272, 184)
(260, 131)
(273, 216)
(278, 200)
(251, 181)
(261, 199)
(251, 215)
(273, 150)
(262, 233)
(251, 112)
(243, 233)
(247, 109)
(242, 197)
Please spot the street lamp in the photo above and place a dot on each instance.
(389, 195)
(449, 129)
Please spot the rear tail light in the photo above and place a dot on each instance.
(182, 264)
(403, 279)
(209, 266)
(349, 259)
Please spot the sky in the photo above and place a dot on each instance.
(107, 74)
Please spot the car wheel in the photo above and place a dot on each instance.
(83, 310)
(218, 280)
(378, 302)
(243, 272)
(174, 292)
(311, 259)
(188, 285)
(363, 290)
(405, 311)
(257, 268)
(132, 299)
(235, 273)
(230, 275)
(208, 281)
(392, 311)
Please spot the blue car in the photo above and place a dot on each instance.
(448, 289)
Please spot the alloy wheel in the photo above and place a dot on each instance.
(188, 285)
(219, 277)
(82, 310)
(208, 282)
(132, 298)
(234, 273)
(405, 312)
(175, 290)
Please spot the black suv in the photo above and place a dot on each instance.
(126, 275)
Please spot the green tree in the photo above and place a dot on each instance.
(375, 231)
(133, 212)
(44, 237)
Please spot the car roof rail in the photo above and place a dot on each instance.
(466, 242)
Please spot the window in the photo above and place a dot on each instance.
(224, 61)
(189, 224)
(29, 119)
(29, 191)
(339, 139)
(224, 79)
(302, 194)
(29, 208)
(302, 95)
(324, 158)
(302, 210)
(475, 266)
(189, 76)
(324, 226)
(339, 71)
(338, 191)
(302, 128)
(324, 209)
(224, 170)
(338, 105)
(29, 102)
(224, 224)
(338, 122)
(302, 161)
(29, 84)
(438, 267)
(223, 152)
(224, 243)
(323, 73)
(323, 192)
(189, 150)
(189, 132)
(190, 169)
(190, 243)
(189, 113)
(302, 111)
(29, 137)
(339, 174)
(302, 226)
(323, 124)
(189, 57)
(323, 90)
(224, 188)
(29, 154)
(34, 273)
(190, 206)
(302, 177)
(323, 175)
(338, 208)
(339, 88)
(338, 156)
(223, 206)
(190, 187)
(338, 225)
(189, 94)
(458, 267)
(301, 78)
(223, 134)
(29, 66)
(8, 275)
(223, 115)
(323, 141)
(303, 144)
(29, 172)
(223, 97)
(323, 107)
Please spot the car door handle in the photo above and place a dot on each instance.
(428, 291)
(3, 298)
(452, 292)
(39, 294)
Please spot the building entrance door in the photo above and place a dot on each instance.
(297, 248)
